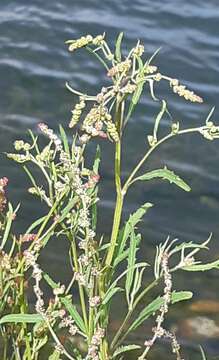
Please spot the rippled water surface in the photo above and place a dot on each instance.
(34, 66)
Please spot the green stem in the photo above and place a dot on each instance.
(23, 310)
(91, 324)
(119, 113)
(5, 341)
(116, 341)
(119, 199)
(115, 230)
(81, 290)
(130, 179)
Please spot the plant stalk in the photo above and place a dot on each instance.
(119, 198)
(131, 179)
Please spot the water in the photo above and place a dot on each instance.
(34, 66)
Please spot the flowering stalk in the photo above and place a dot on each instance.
(119, 113)
(70, 193)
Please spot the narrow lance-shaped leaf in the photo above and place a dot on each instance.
(202, 267)
(110, 294)
(140, 64)
(10, 216)
(66, 301)
(135, 99)
(118, 47)
(202, 353)
(55, 355)
(41, 343)
(139, 89)
(155, 305)
(68, 207)
(97, 160)
(89, 49)
(64, 139)
(115, 282)
(125, 232)
(137, 281)
(125, 348)
(151, 58)
(50, 281)
(30, 176)
(131, 263)
(21, 318)
(35, 224)
(96, 170)
(158, 119)
(165, 174)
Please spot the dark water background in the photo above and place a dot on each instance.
(34, 66)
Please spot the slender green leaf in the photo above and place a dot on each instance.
(41, 343)
(55, 355)
(118, 47)
(166, 175)
(135, 99)
(137, 282)
(131, 263)
(104, 246)
(115, 282)
(158, 118)
(125, 348)
(140, 64)
(96, 171)
(94, 211)
(110, 294)
(35, 224)
(66, 301)
(188, 245)
(21, 318)
(46, 237)
(130, 224)
(98, 57)
(151, 58)
(64, 139)
(97, 160)
(67, 209)
(202, 353)
(30, 176)
(202, 267)
(49, 281)
(121, 257)
(10, 216)
(155, 305)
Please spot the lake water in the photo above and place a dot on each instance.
(34, 65)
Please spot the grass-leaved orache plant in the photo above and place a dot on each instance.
(70, 191)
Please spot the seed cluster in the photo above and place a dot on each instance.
(150, 69)
(138, 50)
(84, 41)
(94, 122)
(210, 131)
(95, 343)
(158, 330)
(128, 89)
(181, 90)
(76, 113)
(3, 199)
(122, 67)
